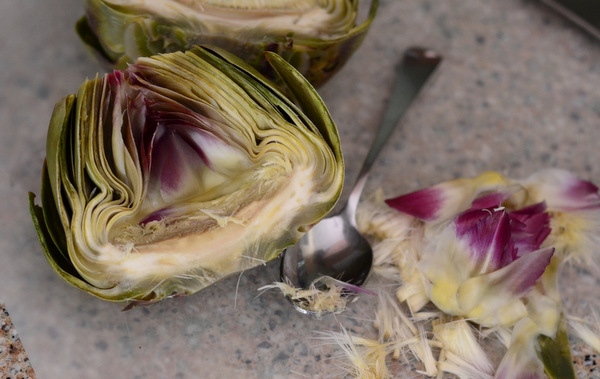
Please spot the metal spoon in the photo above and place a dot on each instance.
(334, 247)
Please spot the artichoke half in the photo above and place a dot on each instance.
(315, 36)
(180, 170)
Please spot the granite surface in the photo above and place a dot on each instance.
(518, 91)
(14, 362)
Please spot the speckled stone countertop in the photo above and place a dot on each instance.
(518, 91)
(14, 362)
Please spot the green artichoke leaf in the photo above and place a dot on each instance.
(316, 36)
(555, 353)
(180, 170)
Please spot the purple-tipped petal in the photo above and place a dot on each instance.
(523, 273)
(563, 191)
(581, 193)
(582, 189)
(423, 204)
(518, 277)
(485, 296)
(445, 200)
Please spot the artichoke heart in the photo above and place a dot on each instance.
(182, 169)
(315, 36)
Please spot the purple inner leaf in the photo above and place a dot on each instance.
(170, 155)
(136, 116)
(156, 216)
(496, 237)
(172, 142)
(179, 120)
(115, 78)
(530, 227)
(487, 232)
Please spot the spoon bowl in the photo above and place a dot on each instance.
(335, 247)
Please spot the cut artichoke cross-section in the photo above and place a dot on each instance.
(182, 169)
(315, 36)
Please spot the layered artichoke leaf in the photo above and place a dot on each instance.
(315, 36)
(182, 169)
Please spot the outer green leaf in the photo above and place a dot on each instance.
(556, 354)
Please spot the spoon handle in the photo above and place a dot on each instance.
(416, 67)
(583, 13)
